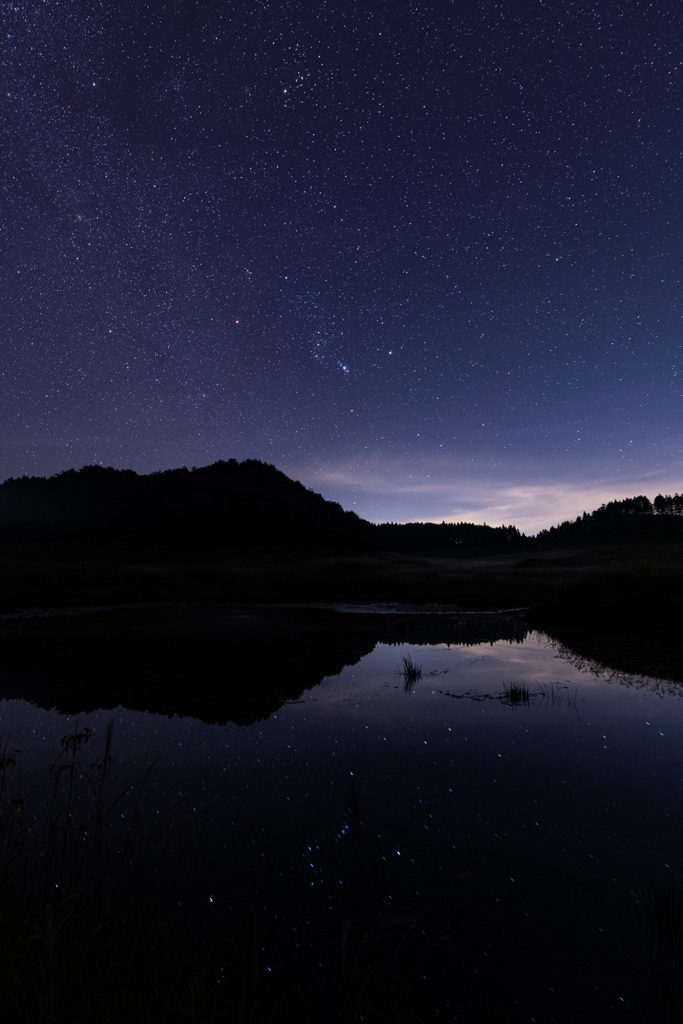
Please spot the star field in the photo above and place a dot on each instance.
(425, 257)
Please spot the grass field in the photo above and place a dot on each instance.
(58, 575)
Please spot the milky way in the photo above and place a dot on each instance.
(426, 257)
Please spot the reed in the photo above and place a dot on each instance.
(85, 938)
(516, 694)
(82, 938)
(410, 672)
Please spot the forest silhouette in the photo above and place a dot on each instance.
(253, 505)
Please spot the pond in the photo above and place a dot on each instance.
(492, 836)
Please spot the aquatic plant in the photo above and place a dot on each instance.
(516, 694)
(551, 695)
(411, 672)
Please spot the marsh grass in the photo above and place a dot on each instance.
(665, 905)
(548, 695)
(94, 842)
(85, 938)
(382, 947)
(410, 672)
(11, 809)
(82, 937)
(516, 694)
(551, 695)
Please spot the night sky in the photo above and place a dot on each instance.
(425, 257)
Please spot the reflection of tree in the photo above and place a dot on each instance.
(248, 661)
(603, 670)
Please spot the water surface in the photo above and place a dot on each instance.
(493, 851)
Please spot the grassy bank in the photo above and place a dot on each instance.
(50, 575)
(59, 575)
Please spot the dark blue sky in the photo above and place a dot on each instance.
(425, 257)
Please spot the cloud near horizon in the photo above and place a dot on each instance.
(401, 490)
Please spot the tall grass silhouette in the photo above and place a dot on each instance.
(410, 671)
(81, 939)
(516, 694)
(85, 938)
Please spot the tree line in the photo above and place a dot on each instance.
(628, 516)
(251, 505)
(240, 505)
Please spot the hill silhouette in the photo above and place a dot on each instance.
(242, 505)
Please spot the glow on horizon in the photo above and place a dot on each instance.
(400, 493)
(409, 490)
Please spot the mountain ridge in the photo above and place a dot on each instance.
(253, 505)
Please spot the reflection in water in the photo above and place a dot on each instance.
(603, 670)
(485, 847)
(518, 695)
(411, 673)
(212, 662)
(624, 650)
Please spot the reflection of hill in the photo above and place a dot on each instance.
(613, 650)
(626, 616)
(622, 669)
(214, 662)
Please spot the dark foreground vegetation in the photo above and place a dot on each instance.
(88, 936)
(88, 932)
